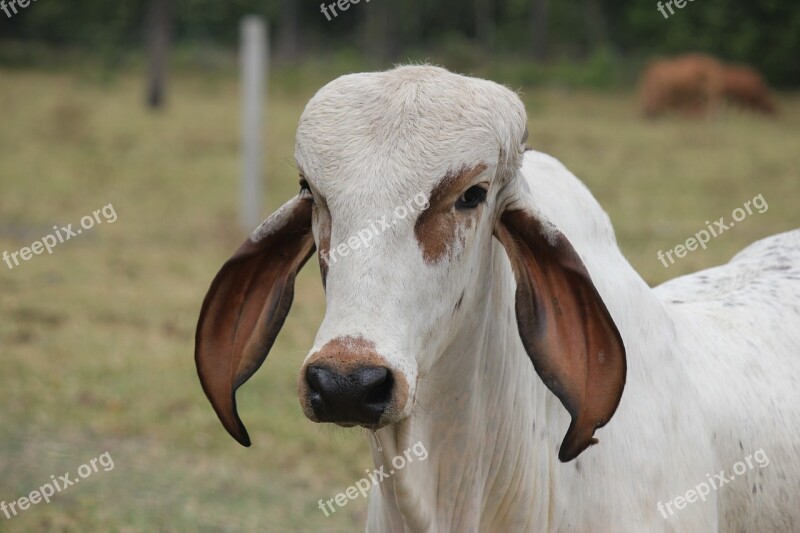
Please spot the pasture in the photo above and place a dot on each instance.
(96, 340)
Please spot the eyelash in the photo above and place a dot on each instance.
(472, 198)
(304, 187)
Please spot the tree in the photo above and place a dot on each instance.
(158, 33)
(379, 30)
(484, 22)
(288, 30)
(539, 16)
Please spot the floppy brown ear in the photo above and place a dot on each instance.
(565, 327)
(246, 306)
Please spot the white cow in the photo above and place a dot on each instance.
(432, 324)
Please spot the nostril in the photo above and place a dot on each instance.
(319, 379)
(360, 396)
(379, 388)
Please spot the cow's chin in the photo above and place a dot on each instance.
(354, 424)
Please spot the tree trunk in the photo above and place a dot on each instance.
(484, 22)
(158, 39)
(289, 31)
(596, 30)
(538, 28)
(378, 34)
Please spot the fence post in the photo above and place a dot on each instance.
(254, 57)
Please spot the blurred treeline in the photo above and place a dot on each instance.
(608, 33)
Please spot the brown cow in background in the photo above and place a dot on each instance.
(745, 87)
(691, 84)
(696, 84)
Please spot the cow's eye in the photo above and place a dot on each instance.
(471, 198)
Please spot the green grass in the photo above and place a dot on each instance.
(96, 340)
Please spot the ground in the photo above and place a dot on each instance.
(97, 338)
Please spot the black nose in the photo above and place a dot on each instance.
(357, 397)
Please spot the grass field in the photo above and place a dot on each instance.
(96, 340)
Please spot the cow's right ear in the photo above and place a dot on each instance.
(246, 306)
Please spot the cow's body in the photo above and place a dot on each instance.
(504, 315)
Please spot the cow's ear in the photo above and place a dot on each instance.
(246, 306)
(565, 327)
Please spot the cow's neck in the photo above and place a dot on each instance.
(489, 424)
(476, 412)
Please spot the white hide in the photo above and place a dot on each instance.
(713, 358)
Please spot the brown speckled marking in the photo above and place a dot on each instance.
(435, 228)
(344, 355)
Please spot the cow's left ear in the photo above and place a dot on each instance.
(246, 306)
(565, 327)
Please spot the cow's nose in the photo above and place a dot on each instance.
(357, 397)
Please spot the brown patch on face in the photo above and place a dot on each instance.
(345, 355)
(435, 228)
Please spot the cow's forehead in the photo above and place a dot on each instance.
(403, 130)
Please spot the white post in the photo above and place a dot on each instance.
(254, 57)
